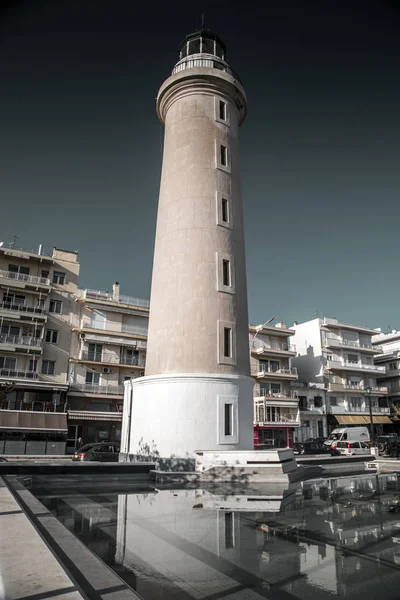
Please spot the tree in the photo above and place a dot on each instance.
(5, 389)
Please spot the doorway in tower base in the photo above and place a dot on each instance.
(268, 438)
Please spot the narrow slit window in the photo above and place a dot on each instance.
(227, 342)
(224, 156)
(225, 210)
(222, 110)
(229, 541)
(226, 272)
(228, 419)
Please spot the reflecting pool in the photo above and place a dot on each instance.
(325, 538)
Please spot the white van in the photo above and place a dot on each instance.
(348, 434)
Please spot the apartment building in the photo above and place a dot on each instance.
(109, 337)
(389, 359)
(36, 306)
(341, 357)
(276, 410)
(312, 406)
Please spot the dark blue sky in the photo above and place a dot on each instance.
(81, 146)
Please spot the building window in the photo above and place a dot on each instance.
(225, 210)
(329, 357)
(58, 278)
(44, 274)
(229, 531)
(333, 400)
(10, 330)
(52, 336)
(228, 412)
(7, 362)
(95, 352)
(318, 401)
(222, 110)
(226, 272)
(14, 299)
(55, 307)
(48, 367)
(227, 342)
(18, 269)
(224, 155)
(352, 358)
(33, 365)
(92, 377)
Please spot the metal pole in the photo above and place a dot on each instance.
(371, 420)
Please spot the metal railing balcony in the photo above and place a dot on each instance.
(267, 394)
(362, 388)
(275, 346)
(22, 308)
(106, 297)
(332, 341)
(115, 327)
(263, 369)
(15, 374)
(203, 60)
(363, 366)
(276, 419)
(32, 406)
(20, 340)
(26, 278)
(93, 388)
(134, 361)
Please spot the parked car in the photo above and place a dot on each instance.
(349, 448)
(309, 447)
(102, 452)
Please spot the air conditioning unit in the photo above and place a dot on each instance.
(141, 373)
(82, 336)
(106, 370)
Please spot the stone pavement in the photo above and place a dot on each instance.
(28, 568)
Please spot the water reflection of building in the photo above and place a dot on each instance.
(313, 540)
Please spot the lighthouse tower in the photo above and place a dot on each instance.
(197, 393)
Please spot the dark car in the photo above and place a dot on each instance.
(309, 447)
(102, 452)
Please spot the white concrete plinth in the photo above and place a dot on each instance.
(255, 466)
(178, 414)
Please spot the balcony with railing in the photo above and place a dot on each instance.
(22, 310)
(363, 408)
(275, 348)
(268, 395)
(30, 279)
(15, 374)
(117, 299)
(338, 342)
(20, 341)
(353, 366)
(99, 390)
(267, 415)
(113, 359)
(18, 405)
(114, 327)
(268, 371)
(359, 387)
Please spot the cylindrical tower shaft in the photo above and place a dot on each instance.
(198, 316)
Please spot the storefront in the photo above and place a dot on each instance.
(34, 433)
(92, 426)
(381, 422)
(267, 438)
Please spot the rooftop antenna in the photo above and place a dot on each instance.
(12, 244)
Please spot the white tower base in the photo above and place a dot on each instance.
(177, 415)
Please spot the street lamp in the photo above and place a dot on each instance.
(368, 389)
(259, 329)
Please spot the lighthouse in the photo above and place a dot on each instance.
(197, 393)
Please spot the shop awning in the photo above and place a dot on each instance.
(361, 420)
(32, 421)
(94, 415)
